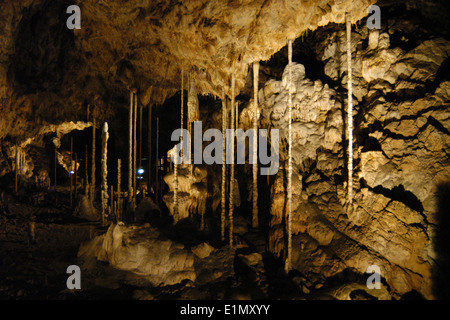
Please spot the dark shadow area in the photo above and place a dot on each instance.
(43, 48)
(441, 242)
(399, 193)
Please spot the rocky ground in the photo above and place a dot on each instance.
(142, 261)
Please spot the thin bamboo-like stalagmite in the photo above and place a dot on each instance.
(157, 162)
(224, 167)
(112, 210)
(86, 174)
(105, 137)
(193, 111)
(289, 187)
(16, 173)
(70, 171)
(56, 162)
(119, 196)
(134, 152)
(349, 114)
(182, 106)
(140, 137)
(237, 115)
(76, 176)
(130, 151)
(255, 222)
(175, 188)
(231, 210)
(150, 147)
(175, 165)
(93, 160)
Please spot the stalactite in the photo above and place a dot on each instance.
(93, 160)
(119, 195)
(349, 115)
(130, 151)
(289, 186)
(255, 222)
(105, 137)
(224, 167)
(231, 210)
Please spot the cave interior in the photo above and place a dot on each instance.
(88, 160)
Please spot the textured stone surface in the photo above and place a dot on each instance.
(193, 192)
(138, 249)
(394, 209)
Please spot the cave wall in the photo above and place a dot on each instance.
(401, 110)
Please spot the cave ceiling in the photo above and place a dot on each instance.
(145, 44)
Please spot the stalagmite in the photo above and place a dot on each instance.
(149, 148)
(71, 171)
(289, 187)
(130, 151)
(86, 174)
(56, 162)
(76, 176)
(231, 210)
(224, 166)
(157, 162)
(93, 162)
(349, 115)
(105, 137)
(175, 188)
(119, 196)
(175, 165)
(140, 137)
(255, 147)
(134, 151)
(193, 110)
(16, 173)
(237, 115)
(112, 211)
(182, 106)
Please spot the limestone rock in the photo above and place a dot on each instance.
(203, 250)
(138, 249)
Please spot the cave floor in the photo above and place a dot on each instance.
(37, 269)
